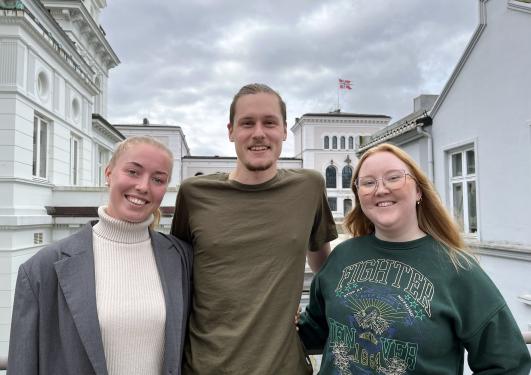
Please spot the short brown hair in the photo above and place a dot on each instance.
(433, 218)
(255, 88)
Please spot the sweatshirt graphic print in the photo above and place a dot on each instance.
(388, 308)
(380, 297)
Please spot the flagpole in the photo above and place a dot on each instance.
(338, 108)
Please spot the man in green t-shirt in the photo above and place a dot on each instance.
(251, 230)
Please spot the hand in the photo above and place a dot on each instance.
(297, 317)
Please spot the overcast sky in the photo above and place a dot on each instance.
(183, 61)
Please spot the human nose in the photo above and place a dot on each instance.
(380, 186)
(142, 184)
(258, 131)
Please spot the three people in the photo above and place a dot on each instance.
(404, 296)
(114, 297)
(251, 230)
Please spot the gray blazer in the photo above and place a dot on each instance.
(55, 328)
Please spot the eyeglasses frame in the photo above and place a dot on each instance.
(356, 182)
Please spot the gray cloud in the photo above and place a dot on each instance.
(183, 61)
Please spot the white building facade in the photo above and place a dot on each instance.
(476, 146)
(327, 143)
(54, 63)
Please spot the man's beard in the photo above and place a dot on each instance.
(258, 168)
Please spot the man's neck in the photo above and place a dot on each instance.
(247, 177)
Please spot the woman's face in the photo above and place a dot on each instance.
(137, 182)
(391, 208)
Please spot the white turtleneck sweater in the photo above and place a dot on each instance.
(129, 296)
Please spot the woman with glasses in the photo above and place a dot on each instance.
(404, 295)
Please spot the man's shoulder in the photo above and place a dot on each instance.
(203, 180)
(302, 174)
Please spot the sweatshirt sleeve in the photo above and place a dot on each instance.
(313, 328)
(498, 347)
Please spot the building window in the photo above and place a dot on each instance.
(347, 206)
(331, 177)
(342, 143)
(351, 143)
(334, 142)
(346, 177)
(40, 147)
(463, 189)
(102, 159)
(74, 160)
(326, 142)
(37, 238)
(332, 203)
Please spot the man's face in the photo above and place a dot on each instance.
(258, 132)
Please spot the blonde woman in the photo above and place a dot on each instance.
(114, 297)
(404, 295)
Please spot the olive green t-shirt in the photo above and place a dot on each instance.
(250, 243)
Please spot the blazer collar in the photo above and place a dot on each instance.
(75, 274)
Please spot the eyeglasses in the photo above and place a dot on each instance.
(392, 180)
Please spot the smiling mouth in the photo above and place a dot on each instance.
(259, 148)
(385, 204)
(136, 201)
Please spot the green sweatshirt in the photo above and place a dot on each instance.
(398, 308)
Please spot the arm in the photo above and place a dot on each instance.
(317, 258)
(180, 225)
(24, 340)
(498, 347)
(312, 325)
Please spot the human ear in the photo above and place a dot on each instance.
(230, 128)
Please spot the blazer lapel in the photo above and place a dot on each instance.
(170, 273)
(75, 274)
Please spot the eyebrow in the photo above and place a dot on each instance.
(138, 165)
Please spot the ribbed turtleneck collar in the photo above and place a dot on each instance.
(121, 231)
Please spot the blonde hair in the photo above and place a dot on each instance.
(126, 144)
(432, 216)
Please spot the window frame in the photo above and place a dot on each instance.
(101, 164)
(328, 183)
(464, 181)
(343, 177)
(332, 201)
(40, 153)
(75, 159)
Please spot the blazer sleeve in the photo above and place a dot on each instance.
(23, 357)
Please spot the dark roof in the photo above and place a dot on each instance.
(151, 126)
(402, 126)
(91, 211)
(110, 127)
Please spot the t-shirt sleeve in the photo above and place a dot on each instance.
(180, 226)
(498, 347)
(324, 228)
(313, 328)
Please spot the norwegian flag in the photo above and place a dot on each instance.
(345, 84)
